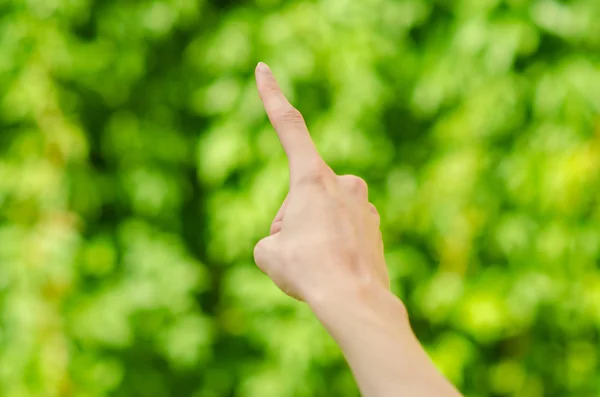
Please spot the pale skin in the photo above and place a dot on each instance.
(325, 249)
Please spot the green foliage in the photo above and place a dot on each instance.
(137, 170)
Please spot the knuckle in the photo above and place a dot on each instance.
(377, 219)
(360, 184)
(356, 184)
(258, 252)
(262, 254)
(373, 209)
(291, 115)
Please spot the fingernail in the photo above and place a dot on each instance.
(262, 67)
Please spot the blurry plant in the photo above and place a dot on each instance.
(137, 170)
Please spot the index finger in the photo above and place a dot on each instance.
(288, 123)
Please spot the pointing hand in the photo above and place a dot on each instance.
(325, 239)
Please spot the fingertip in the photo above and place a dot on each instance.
(264, 78)
(262, 68)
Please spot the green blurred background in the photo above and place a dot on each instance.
(137, 170)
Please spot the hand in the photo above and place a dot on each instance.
(325, 248)
(325, 239)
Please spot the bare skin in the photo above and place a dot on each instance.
(325, 249)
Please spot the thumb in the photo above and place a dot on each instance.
(266, 253)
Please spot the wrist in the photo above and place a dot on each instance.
(372, 329)
(357, 304)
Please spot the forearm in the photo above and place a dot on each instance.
(372, 329)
